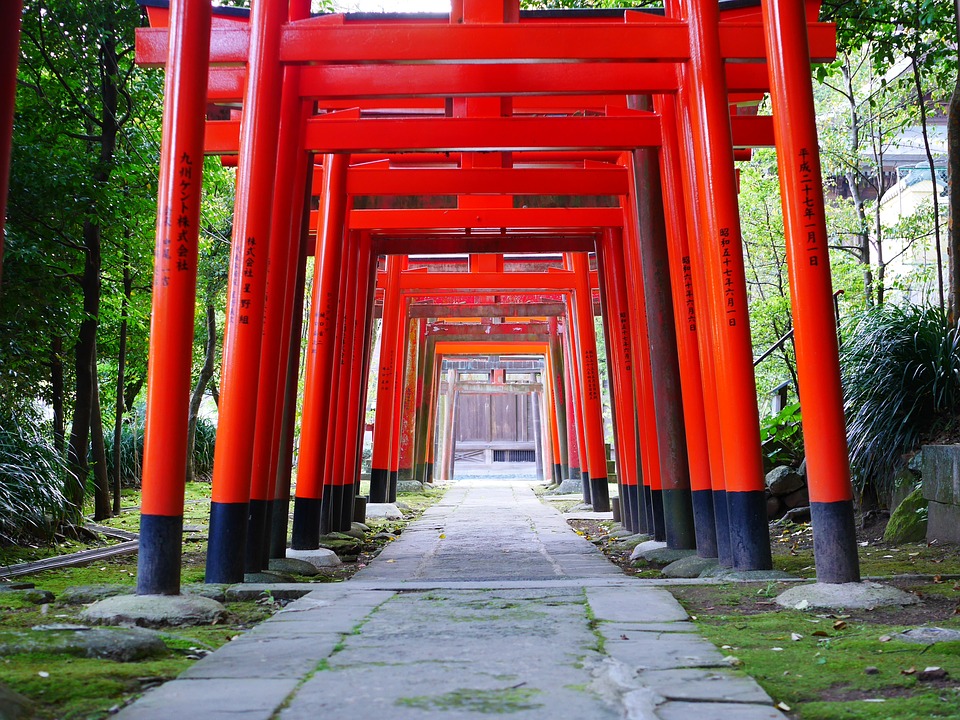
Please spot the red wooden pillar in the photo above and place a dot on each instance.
(320, 354)
(408, 407)
(610, 263)
(811, 293)
(278, 298)
(368, 273)
(685, 321)
(174, 297)
(727, 295)
(383, 427)
(332, 498)
(10, 13)
(399, 376)
(425, 399)
(590, 384)
(571, 394)
(557, 405)
(646, 412)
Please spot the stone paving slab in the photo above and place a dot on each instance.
(704, 686)
(661, 651)
(717, 711)
(247, 699)
(256, 655)
(646, 605)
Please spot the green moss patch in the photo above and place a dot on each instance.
(492, 702)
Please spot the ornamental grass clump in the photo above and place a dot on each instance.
(32, 478)
(901, 378)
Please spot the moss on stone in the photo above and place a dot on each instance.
(908, 523)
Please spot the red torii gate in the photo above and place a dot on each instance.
(493, 54)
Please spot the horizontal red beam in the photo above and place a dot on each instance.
(485, 219)
(485, 283)
(481, 243)
(463, 347)
(310, 41)
(465, 134)
(487, 181)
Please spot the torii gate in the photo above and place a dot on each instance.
(521, 84)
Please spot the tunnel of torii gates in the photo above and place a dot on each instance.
(483, 181)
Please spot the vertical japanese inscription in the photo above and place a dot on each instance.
(688, 294)
(726, 260)
(176, 221)
(246, 290)
(809, 205)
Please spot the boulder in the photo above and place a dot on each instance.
(117, 644)
(292, 566)
(798, 515)
(86, 594)
(154, 610)
(774, 508)
(383, 511)
(798, 498)
(783, 480)
(908, 523)
(409, 486)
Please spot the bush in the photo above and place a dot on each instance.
(781, 438)
(901, 379)
(32, 478)
(131, 450)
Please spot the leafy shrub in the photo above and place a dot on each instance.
(781, 437)
(131, 450)
(901, 379)
(32, 477)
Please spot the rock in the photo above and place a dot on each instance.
(932, 673)
(319, 558)
(904, 483)
(118, 644)
(214, 591)
(267, 576)
(86, 594)
(722, 573)
(802, 470)
(32, 595)
(689, 567)
(666, 556)
(355, 534)
(943, 522)
(774, 508)
(798, 498)
(941, 473)
(783, 480)
(154, 610)
(568, 487)
(928, 635)
(14, 706)
(908, 523)
(871, 670)
(383, 511)
(839, 596)
(798, 514)
(643, 547)
(293, 566)
(340, 543)
(400, 505)
(8, 585)
(915, 464)
(409, 486)
(360, 526)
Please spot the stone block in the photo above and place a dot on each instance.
(908, 523)
(941, 473)
(783, 480)
(798, 498)
(943, 522)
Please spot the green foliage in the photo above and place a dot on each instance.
(901, 377)
(781, 437)
(32, 476)
(131, 450)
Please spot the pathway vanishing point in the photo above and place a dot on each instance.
(488, 605)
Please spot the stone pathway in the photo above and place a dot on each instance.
(489, 604)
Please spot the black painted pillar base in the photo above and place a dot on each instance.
(429, 474)
(678, 519)
(835, 542)
(346, 506)
(703, 523)
(749, 532)
(629, 505)
(379, 485)
(557, 474)
(327, 510)
(564, 472)
(392, 493)
(279, 521)
(158, 563)
(600, 494)
(721, 518)
(339, 495)
(306, 524)
(648, 510)
(585, 481)
(256, 525)
(267, 529)
(659, 525)
(228, 534)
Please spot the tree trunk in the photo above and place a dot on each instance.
(953, 164)
(101, 496)
(206, 372)
(56, 392)
(853, 180)
(121, 368)
(918, 86)
(86, 347)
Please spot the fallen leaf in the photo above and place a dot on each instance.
(391, 560)
(777, 649)
(624, 637)
(884, 638)
(783, 706)
(909, 671)
(839, 625)
(820, 633)
(442, 536)
(733, 661)
(796, 636)
(43, 674)
(938, 579)
(871, 670)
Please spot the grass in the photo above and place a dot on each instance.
(817, 664)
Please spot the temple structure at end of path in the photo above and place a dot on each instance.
(481, 186)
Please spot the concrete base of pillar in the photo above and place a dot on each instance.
(844, 596)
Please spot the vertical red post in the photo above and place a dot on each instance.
(174, 299)
(610, 263)
(572, 398)
(383, 427)
(590, 383)
(727, 294)
(399, 375)
(10, 14)
(320, 354)
(278, 297)
(685, 321)
(811, 293)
